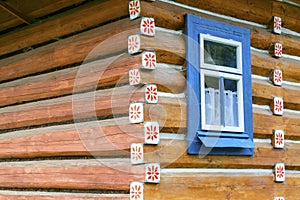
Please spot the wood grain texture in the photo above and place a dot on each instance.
(173, 154)
(19, 195)
(98, 138)
(222, 185)
(64, 24)
(34, 10)
(256, 11)
(102, 174)
(104, 41)
(91, 105)
(174, 19)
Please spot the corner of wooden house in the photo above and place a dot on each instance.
(145, 100)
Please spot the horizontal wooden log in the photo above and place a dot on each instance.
(257, 11)
(102, 174)
(102, 73)
(263, 92)
(98, 138)
(222, 185)
(59, 25)
(107, 40)
(173, 154)
(35, 11)
(174, 19)
(17, 195)
(102, 103)
(113, 137)
(263, 64)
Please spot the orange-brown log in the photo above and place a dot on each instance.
(31, 10)
(64, 24)
(99, 174)
(214, 185)
(254, 10)
(174, 19)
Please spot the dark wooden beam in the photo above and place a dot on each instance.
(15, 13)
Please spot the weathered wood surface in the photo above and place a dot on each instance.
(254, 10)
(102, 73)
(172, 17)
(172, 154)
(106, 40)
(59, 25)
(18, 195)
(263, 92)
(101, 103)
(102, 174)
(39, 10)
(98, 138)
(223, 185)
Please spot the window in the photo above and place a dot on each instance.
(219, 88)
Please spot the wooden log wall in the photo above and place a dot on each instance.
(64, 125)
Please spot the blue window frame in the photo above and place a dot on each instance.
(219, 88)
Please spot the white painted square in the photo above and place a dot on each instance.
(136, 153)
(136, 191)
(136, 113)
(277, 25)
(134, 77)
(279, 172)
(278, 106)
(277, 50)
(134, 9)
(148, 26)
(279, 198)
(151, 94)
(152, 173)
(277, 77)
(151, 132)
(134, 44)
(149, 60)
(278, 139)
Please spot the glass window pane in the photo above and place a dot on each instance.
(220, 54)
(231, 103)
(212, 101)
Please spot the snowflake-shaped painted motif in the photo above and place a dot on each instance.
(149, 60)
(136, 191)
(279, 138)
(148, 26)
(134, 77)
(133, 44)
(277, 25)
(151, 95)
(278, 106)
(277, 77)
(279, 198)
(134, 9)
(151, 130)
(280, 172)
(136, 113)
(153, 173)
(137, 153)
(278, 50)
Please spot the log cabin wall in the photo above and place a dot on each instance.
(65, 95)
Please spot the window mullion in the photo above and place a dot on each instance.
(222, 101)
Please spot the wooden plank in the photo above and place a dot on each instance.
(173, 154)
(101, 103)
(174, 19)
(263, 64)
(102, 174)
(107, 40)
(97, 138)
(40, 9)
(232, 185)
(102, 73)
(263, 92)
(31, 35)
(18, 195)
(257, 11)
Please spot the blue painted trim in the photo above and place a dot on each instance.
(194, 26)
